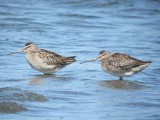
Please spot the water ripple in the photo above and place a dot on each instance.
(81, 28)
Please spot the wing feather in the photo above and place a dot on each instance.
(123, 61)
(51, 58)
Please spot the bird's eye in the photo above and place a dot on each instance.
(27, 47)
(100, 56)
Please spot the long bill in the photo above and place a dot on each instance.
(94, 59)
(15, 52)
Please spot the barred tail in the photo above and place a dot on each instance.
(70, 59)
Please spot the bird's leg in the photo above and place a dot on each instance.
(120, 78)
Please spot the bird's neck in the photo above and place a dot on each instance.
(32, 51)
(108, 54)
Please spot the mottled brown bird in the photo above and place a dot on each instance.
(44, 61)
(119, 64)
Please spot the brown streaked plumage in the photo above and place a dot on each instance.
(43, 60)
(119, 64)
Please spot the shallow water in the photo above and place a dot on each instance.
(81, 28)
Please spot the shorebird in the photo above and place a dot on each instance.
(44, 61)
(120, 65)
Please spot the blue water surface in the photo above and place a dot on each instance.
(82, 28)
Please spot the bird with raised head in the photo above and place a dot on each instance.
(44, 61)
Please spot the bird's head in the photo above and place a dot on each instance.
(102, 54)
(28, 47)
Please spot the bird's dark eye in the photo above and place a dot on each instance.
(26, 47)
(100, 56)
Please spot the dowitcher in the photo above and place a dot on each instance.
(44, 61)
(120, 65)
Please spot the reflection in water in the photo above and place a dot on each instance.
(41, 79)
(122, 84)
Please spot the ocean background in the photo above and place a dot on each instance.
(79, 28)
